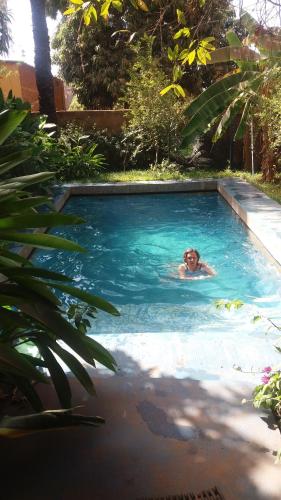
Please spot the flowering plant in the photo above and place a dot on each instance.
(268, 394)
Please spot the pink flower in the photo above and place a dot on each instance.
(267, 369)
(265, 379)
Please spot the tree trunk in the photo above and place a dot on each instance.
(268, 166)
(43, 73)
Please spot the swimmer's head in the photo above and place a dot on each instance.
(191, 254)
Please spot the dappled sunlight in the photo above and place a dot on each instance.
(162, 436)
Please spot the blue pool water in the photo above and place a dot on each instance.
(135, 244)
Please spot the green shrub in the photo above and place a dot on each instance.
(269, 114)
(152, 132)
(74, 155)
(165, 167)
(75, 105)
(268, 394)
(112, 147)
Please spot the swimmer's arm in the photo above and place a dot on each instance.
(208, 269)
(181, 270)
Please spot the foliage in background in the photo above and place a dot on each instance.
(165, 168)
(112, 148)
(31, 313)
(238, 93)
(269, 114)
(71, 155)
(91, 62)
(75, 156)
(154, 122)
(75, 105)
(95, 58)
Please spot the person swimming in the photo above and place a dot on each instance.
(192, 267)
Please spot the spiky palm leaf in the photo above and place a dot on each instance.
(30, 312)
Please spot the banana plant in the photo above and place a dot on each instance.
(30, 311)
(237, 93)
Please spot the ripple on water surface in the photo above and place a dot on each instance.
(135, 244)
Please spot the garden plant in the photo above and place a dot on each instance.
(31, 313)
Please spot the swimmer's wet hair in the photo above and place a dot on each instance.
(189, 250)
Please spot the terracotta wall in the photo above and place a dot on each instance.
(28, 86)
(20, 78)
(109, 119)
(59, 94)
(10, 78)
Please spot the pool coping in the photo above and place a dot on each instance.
(261, 214)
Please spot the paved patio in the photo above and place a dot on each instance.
(162, 436)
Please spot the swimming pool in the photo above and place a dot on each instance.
(167, 325)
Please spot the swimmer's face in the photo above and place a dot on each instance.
(191, 260)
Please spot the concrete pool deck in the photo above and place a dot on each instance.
(163, 435)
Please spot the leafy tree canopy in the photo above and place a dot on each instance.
(92, 62)
(95, 58)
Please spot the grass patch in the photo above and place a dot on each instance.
(273, 190)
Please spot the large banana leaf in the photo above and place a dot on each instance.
(227, 96)
(259, 53)
(18, 205)
(223, 85)
(9, 121)
(228, 116)
(226, 54)
(241, 129)
(14, 257)
(52, 320)
(205, 115)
